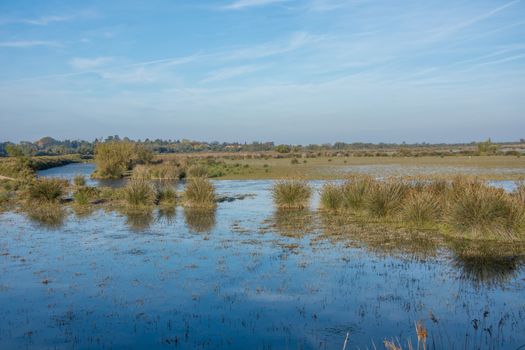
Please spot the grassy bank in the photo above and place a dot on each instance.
(25, 167)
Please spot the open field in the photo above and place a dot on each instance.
(247, 167)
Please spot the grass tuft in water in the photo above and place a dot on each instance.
(139, 193)
(331, 197)
(46, 189)
(385, 198)
(200, 193)
(291, 194)
(354, 191)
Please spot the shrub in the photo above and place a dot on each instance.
(291, 194)
(294, 161)
(422, 208)
(331, 197)
(354, 191)
(385, 198)
(46, 189)
(139, 193)
(114, 158)
(79, 180)
(200, 193)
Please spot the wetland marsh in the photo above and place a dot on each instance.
(245, 275)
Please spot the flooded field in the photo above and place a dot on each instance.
(244, 276)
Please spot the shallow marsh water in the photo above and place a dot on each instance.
(241, 277)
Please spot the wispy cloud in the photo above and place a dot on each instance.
(443, 32)
(241, 4)
(28, 43)
(231, 72)
(89, 63)
(38, 21)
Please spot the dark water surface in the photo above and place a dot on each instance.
(240, 278)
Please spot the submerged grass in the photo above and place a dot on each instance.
(291, 194)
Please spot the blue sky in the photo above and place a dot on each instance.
(291, 71)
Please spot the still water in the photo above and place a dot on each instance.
(244, 277)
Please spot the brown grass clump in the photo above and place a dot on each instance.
(483, 210)
(354, 191)
(200, 193)
(46, 189)
(291, 194)
(331, 197)
(139, 193)
(422, 208)
(385, 198)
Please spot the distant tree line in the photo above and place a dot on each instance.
(47, 146)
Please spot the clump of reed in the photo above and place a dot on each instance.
(291, 194)
(354, 191)
(199, 193)
(197, 171)
(139, 193)
(79, 180)
(331, 197)
(166, 195)
(46, 189)
(84, 194)
(162, 171)
(385, 198)
(477, 208)
(422, 208)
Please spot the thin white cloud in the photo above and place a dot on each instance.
(241, 4)
(39, 21)
(89, 63)
(28, 43)
(230, 72)
(459, 26)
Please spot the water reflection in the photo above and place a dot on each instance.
(383, 239)
(48, 215)
(167, 215)
(139, 220)
(292, 222)
(200, 220)
(487, 264)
